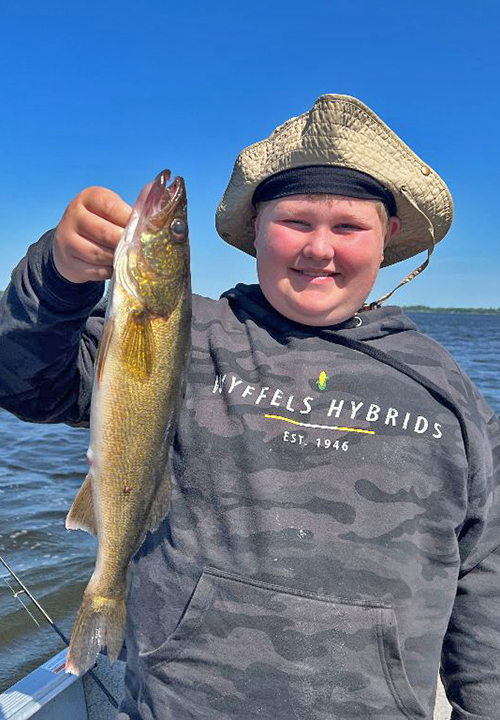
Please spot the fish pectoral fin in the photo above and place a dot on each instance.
(81, 515)
(138, 344)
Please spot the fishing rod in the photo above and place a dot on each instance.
(63, 637)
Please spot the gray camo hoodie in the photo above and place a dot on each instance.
(335, 521)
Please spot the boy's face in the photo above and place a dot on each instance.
(318, 257)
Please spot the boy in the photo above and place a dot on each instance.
(334, 520)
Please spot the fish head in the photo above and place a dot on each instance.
(165, 204)
(159, 257)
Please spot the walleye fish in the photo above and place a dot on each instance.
(138, 386)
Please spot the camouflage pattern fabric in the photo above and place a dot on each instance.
(331, 530)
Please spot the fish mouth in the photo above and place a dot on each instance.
(164, 201)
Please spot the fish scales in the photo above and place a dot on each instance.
(131, 411)
(137, 391)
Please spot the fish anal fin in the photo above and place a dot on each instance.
(103, 349)
(158, 511)
(138, 344)
(81, 515)
(160, 504)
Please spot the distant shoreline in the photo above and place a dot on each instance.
(427, 308)
(469, 310)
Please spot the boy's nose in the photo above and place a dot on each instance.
(319, 246)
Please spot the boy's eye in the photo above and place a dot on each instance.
(294, 221)
(347, 226)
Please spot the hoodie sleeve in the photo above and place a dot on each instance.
(470, 664)
(49, 333)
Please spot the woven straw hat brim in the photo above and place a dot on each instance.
(341, 130)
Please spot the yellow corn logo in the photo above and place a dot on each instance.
(322, 380)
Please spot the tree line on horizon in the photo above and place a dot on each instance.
(428, 308)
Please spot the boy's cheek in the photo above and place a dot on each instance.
(281, 244)
(362, 254)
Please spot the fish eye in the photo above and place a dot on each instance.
(178, 228)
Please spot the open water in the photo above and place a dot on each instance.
(42, 467)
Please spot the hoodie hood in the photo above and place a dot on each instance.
(248, 301)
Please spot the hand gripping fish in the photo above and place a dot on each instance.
(138, 387)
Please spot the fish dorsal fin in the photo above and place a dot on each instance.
(81, 515)
(103, 349)
(138, 344)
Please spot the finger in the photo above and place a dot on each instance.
(87, 272)
(91, 254)
(108, 205)
(96, 229)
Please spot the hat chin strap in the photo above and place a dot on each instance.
(417, 271)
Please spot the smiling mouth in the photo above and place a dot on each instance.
(315, 273)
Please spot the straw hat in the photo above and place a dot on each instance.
(341, 130)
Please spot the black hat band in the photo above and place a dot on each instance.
(324, 180)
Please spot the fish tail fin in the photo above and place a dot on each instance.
(100, 623)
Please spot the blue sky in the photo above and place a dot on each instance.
(110, 93)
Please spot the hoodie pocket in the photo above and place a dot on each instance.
(250, 649)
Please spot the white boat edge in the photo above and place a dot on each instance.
(49, 693)
(34, 691)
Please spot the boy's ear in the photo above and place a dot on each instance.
(393, 227)
(255, 227)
